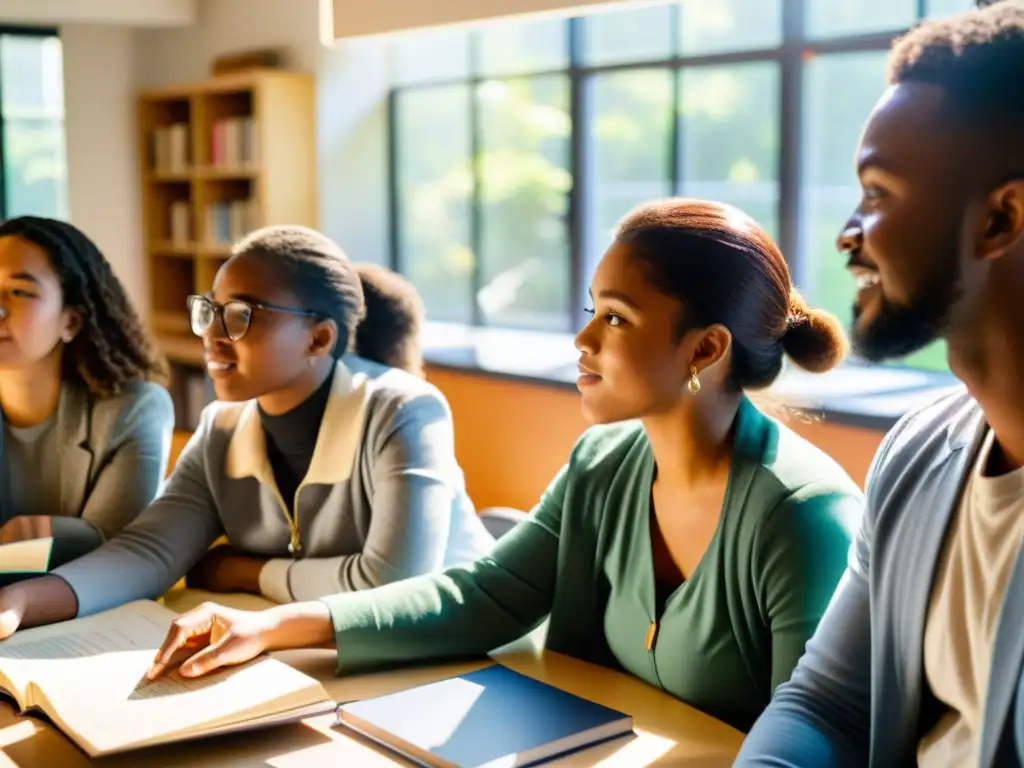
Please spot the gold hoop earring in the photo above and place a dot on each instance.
(694, 383)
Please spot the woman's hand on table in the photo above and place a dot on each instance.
(213, 636)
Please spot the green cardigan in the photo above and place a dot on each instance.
(729, 635)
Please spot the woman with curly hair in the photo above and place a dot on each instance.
(323, 470)
(86, 427)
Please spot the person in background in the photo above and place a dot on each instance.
(691, 540)
(918, 659)
(326, 471)
(394, 337)
(86, 426)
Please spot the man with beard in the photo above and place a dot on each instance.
(918, 659)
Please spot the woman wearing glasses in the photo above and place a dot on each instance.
(84, 429)
(326, 472)
(690, 540)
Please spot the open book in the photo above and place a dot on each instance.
(89, 677)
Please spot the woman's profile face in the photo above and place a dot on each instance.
(33, 319)
(633, 362)
(274, 352)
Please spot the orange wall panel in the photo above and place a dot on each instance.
(511, 437)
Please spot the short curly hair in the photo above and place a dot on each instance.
(976, 57)
(112, 349)
(394, 320)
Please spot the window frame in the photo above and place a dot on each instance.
(10, 30)
(795, 49)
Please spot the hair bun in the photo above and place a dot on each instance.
(814, 339)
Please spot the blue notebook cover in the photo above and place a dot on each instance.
(492, 717)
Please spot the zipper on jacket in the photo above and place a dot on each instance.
(294, 542)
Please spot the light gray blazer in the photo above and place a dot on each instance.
(858, 697)
(383, 499)
(113, 455)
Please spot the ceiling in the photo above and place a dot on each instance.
(133, 13)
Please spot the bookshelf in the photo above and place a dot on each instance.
(219, 158)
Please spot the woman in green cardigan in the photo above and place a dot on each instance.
(691, 541)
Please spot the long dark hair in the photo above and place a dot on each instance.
(112, 349)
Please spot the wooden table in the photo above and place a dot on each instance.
(666, 731)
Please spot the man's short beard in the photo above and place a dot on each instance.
(900, 330)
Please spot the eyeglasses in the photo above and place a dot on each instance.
(235, 315)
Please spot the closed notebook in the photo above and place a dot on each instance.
(24, 559)
(492, 717)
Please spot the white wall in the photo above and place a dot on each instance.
(352, 80)
(102, 148)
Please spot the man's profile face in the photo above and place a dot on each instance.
(903, 242)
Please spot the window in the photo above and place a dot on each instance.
(32, 154)
(524, 182)
(729, 137)
(433, 197)
(518, 145)
(628, 149)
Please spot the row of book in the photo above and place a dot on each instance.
(233, 144)
(226, 222)
(180, 223)
(229, 221)
(169, 149)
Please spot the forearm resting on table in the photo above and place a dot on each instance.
(45, 600)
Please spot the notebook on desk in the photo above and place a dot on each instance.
(88, 677)
(491, 717)
(24, 559)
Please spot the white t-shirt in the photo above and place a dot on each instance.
(978, 558)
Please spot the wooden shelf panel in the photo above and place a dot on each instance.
(171, 323)
(226, 173)
(215, 250)
(165, 248)
(265, 175)
(186, 350)
(169, 177)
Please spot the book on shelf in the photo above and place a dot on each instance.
(181, 222)
(169, 148)
(230, 220)
(88, 676)
(234, 143)
(494, 716)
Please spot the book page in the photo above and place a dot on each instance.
(90, 677)
(30, 556)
